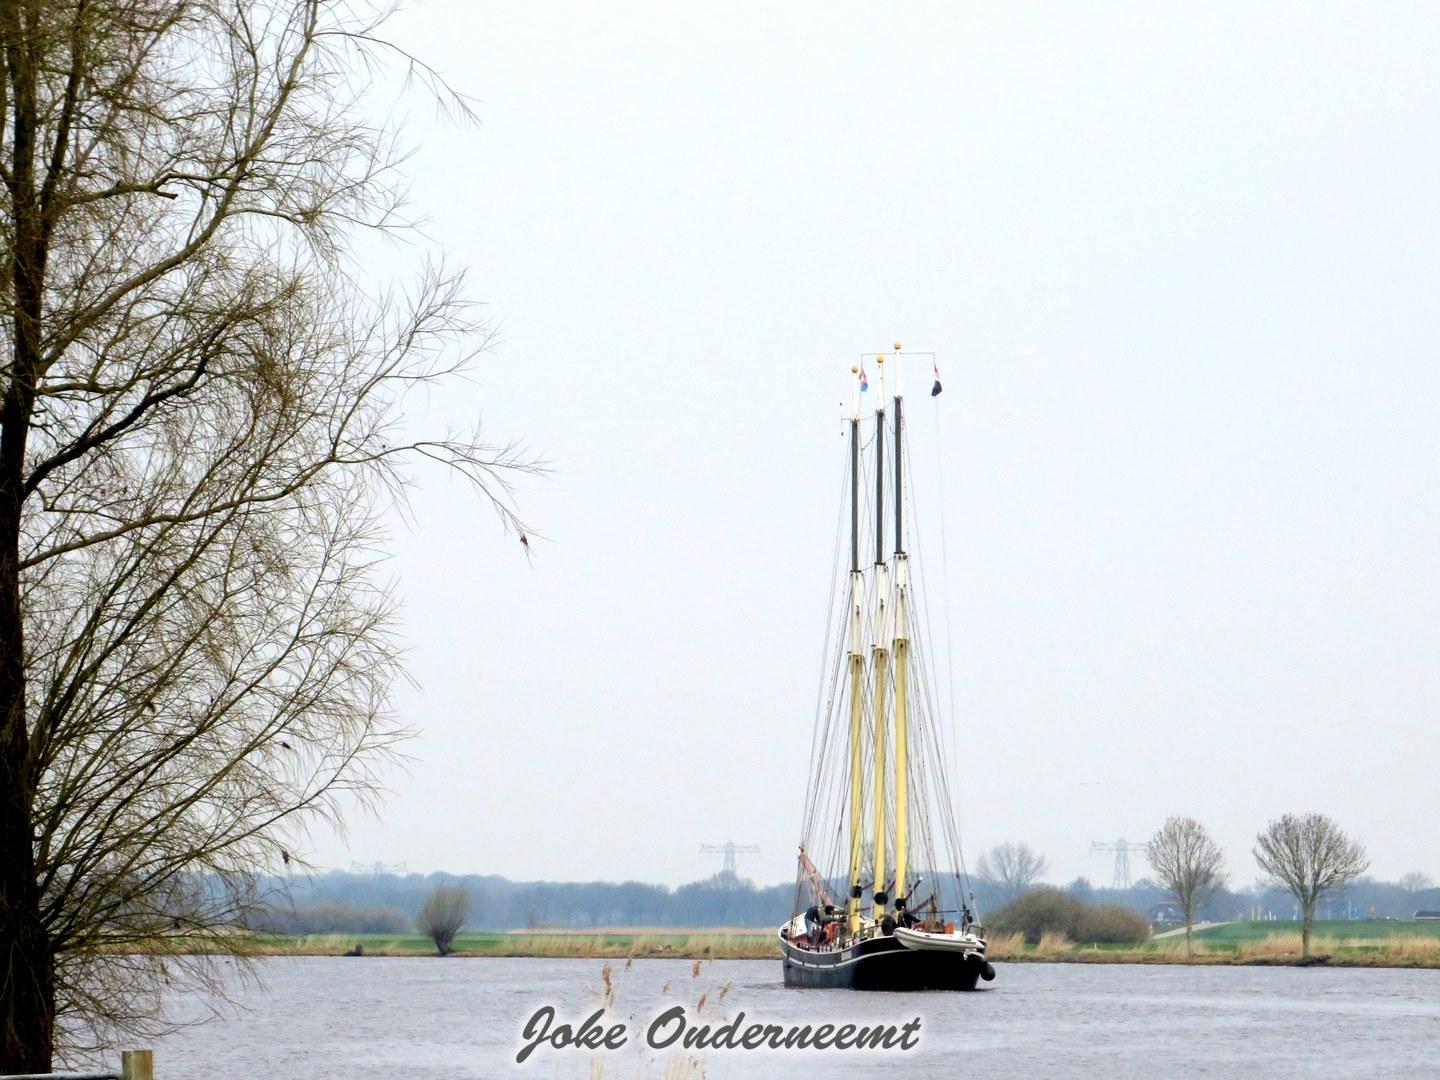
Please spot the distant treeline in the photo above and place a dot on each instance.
(340, 902)
(1365, 898)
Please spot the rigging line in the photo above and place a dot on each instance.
(937, 731)
(930, 768)
(948, 732)
(945, 584)
(828, 782)
(825, 649)
(933, 787)
(823, 783)
(832, 774)
(920, 612)
(933, 780)
(822, 760)
(835, 782)
(823, 757)
(934, 732)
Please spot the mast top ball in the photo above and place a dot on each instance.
(897, 346)
(880, 359)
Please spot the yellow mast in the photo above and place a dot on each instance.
(882, 676)
(857, 779)
(902, 795)
(857, 664)
(902, 673)
(881, 652)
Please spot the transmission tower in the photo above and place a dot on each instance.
(729, 849)
(377, 868)
(1121, 849)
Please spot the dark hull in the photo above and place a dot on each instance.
(879, 963)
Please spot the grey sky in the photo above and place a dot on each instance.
(1180, 265)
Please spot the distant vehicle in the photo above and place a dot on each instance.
(1166, 913)
(1425, 915)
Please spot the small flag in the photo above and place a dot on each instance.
(864, 382)
(936, 388)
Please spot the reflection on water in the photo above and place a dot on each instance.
(323, 1017)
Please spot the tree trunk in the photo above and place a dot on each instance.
(27, 984)
(27, 970)
(1189, 951)
(1305, 933)
(27, 1028)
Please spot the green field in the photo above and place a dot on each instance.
(1359, 930)
(1370, 943)
(1364, 943)
(682, 944)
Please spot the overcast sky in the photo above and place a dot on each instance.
(1181, 267)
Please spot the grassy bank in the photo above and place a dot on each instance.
(706, 944)
(1349, 944)
(1342, 944)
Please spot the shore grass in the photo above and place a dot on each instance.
(1361, 929)
(1343, 944)
(696, 944)
(1371, 943)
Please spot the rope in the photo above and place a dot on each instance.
(949, 643)
(945, 585)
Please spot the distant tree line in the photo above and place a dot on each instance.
(1312, 869)
(340, 902)
(332, 917)
(346, 902)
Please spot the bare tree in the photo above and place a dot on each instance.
(200, 403)
(443, 915)
(1188, 864)
(1415, 882)
(1310, 855)
(1012, 867)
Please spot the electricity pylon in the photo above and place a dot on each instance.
(729, 849)
(1121, 849)
(377, 868)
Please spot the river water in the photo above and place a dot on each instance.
(318, 1018)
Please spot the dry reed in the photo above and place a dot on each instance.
(1004, 946)
(1052, 944)
(1411, 948)
(1285, 946)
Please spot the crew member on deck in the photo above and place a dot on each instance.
(817, 916)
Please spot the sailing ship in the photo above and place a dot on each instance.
(874, 910)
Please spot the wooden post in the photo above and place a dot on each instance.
(137, 1064)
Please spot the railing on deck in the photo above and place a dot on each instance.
(134, 1065)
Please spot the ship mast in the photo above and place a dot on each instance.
(880, 662)
(902, 657)
(857, 665)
